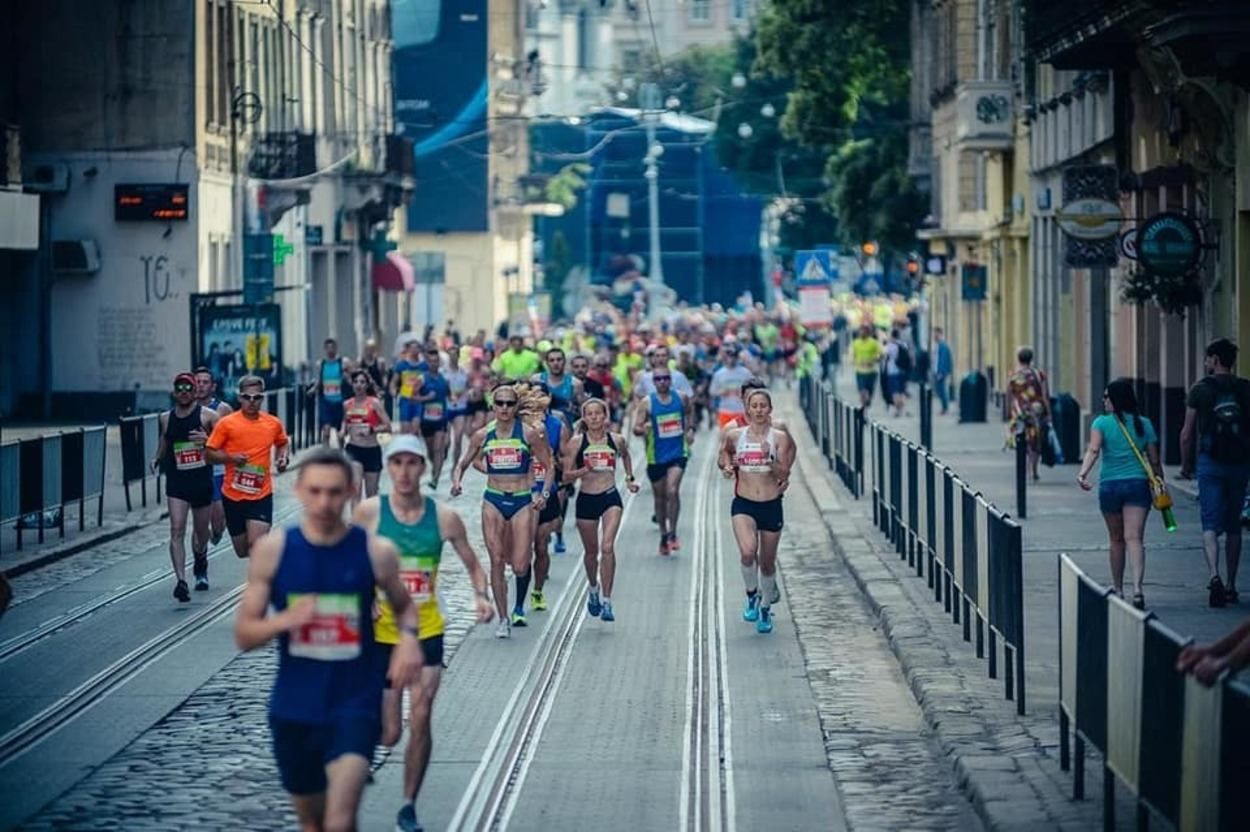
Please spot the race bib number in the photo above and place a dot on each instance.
(419, 584)
(332, 389)
(600, 460)
(668, 425)
(333, 635)
(250, 479)
(504, 459)
(188, 456)
(433, 412)
(540, 471)
(753, 459)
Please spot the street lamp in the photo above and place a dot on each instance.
(738, 80)
(745, 131)
(768, 110)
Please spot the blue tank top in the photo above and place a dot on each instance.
(326, 669)
(506, 456)
(666, 441)
(561, 394)
(332, 379)
(435, 409)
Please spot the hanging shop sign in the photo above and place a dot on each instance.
(1090, 218)
(1169, 244)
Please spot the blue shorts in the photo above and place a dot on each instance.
(409, 410)
(330, 413)
(303, 751)
(1114, 495)
(218, 481)
(1221, 490)
(865, 382)
(507, 503)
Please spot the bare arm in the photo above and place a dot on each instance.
(1187, 440)
(540, 450)
(384, 421)
(252, 627)
(1156, 465)
(642, 422)
(163, 423)
(470, 453)
(366, 515)
(569, 453)
(785, 459)
(1091, 455)
(627, 459)
(724, 458)
(407, 657)
(451, 528)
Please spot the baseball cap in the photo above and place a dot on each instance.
(405, 443)
(184, 378)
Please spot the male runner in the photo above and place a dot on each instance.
(725, 387)
(516, 362)
(246, 441)
(188, 481)
(404, 383)
(663, 418)
(433, 392)
(418, 527)
(206, 395)
(565, 392)
(591, 389)
(331, 371)
(320, 577)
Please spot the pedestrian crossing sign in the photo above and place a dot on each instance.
(814, 268)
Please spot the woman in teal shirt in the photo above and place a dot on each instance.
(1124, 494)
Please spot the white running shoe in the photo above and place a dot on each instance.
(503, 629)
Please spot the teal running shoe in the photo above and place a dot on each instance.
(593, 607)
(607, 614)
(751, 611)
(765, 623)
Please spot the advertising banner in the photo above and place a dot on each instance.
(241, 340)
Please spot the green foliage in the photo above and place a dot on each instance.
(563, 186)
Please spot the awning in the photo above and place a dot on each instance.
(394, 274)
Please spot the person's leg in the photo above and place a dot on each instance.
(310, 811)
(371, 483)
(178, 510)
(672, 494)
(420, 737)
(1115, 547)
(358, 482)
(607, 550)
(1134, 528)
(659, 491)
(588, 531)
(747, 537)
(494, 531)
(345, 776)
(521, 552)
(542, 555)
(392, 716)
(219, 512)
(457, 430)
(1210, 507)
(256, 529)
(200, 519)
(769, 542)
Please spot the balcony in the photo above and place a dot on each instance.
(279, 156)
(984, 115)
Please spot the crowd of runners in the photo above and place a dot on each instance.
(350, 591)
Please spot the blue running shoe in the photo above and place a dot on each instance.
(607, 614)
(751, 612)
(406, 820)
(593, 607)
(765, 624)
(560, 547)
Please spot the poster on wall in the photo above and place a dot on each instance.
(241, 340)
(444, 41)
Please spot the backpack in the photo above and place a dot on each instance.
(1228, 438)
(902, 359)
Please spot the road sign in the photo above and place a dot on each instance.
(1090, 218)
(814, 268)
(258, 260)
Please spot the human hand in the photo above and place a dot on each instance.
(300, 613)
(1083, 481)
(633, 486)
(197, 436)
(406, 662)
(483, 609)
(1208, 670)
(1190, 655)
(456, 489)
(239, 459)
(282, 463)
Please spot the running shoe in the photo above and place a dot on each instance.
(593, 607)
(216, 537)
(537, 601)
(560, 548)
(518, 618)
(406, 820)
(201, 573)
(751, 612)
(503, 629)
(181, 592)
(1217, 596)
(664, 550)
(765, 624)
(673, 543)
(607, 614)
(775, 598)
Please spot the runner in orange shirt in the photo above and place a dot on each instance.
(246, 441)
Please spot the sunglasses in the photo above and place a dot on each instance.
(505, 402)
(251, 397)
(663, 378)
(184, 388)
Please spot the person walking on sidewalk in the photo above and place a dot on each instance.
(898, 365)
(1218, 409)
(1122, 436)
(1028, 394)
(943, 368)
(866, 355)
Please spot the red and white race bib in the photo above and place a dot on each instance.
(188, 456)
(600, 459)
(419, 583)
(504, 459)
(433, 412)
(752, 458)
(250, 479)
(333, 635)
(668, 425)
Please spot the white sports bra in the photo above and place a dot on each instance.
(750, 456)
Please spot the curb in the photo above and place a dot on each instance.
(62, 553)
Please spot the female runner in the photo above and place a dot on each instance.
(508, 445)
(479, 378)
(591, 456)
(457, 401)
(364, 418)
(759, 456)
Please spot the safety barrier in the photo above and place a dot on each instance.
(1178, 746)
(839, 429)
(969, 550)
(49, 473)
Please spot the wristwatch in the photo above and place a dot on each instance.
(412, 631)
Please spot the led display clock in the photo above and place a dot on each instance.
(150, 202)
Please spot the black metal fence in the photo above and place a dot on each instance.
(1178, 746)
(970, 551)
(42, 476)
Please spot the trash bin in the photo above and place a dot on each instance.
(972, 397)
(1066, 418)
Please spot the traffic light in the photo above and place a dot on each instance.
(870, 249)
(913, 267)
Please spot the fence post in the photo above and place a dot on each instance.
(926, 416)
(1022, 465)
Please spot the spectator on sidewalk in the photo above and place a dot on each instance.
(1122, 436)
(1028, 396)
(1208, 661)
(1218, 409)
(866, 355)
(898, 366)
(943, 368)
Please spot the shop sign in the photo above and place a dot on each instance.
(1169, 244)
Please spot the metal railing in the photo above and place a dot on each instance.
(1178, 746)
(970, 551)
(49, 473)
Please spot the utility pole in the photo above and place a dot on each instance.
(649, 99)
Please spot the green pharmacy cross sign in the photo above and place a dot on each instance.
(281, 248)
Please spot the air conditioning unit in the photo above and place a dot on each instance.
(75, 257)
(47, 179)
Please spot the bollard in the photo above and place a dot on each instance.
(1022, 465)
(926, 416)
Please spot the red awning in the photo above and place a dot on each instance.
(394, 274)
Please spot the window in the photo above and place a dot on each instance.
(631, 60)
(210, 62)
(700, 11)
(583, 39)
(740, 10)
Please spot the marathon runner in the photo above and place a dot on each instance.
(457, 397)
(477, 409)
(432, 393)
(331, 372)
(404, 383)
(755, 457)
(551, 518)
(418, 527)
(246, 441)
(566, 392)
(364, 418)
(591, 456)
(664, 419)
(591, 389)
(602, 375)
(188, 481)
(660, 360)
(206, 395)
(320, 577)
(517, 362)
(509, 507)
(725, 386)
(375, 365)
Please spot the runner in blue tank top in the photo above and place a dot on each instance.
(567, 394)
(433, 392)
(664, 418)
(320, 578)
(550, 519)
(331, 372)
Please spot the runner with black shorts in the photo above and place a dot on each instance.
(418, 527)
(663, 420)
(591, 456)
(188, 481)
(756, 457)
(364, 418)
(432, 393)
(320, 578)
(551, 518)
(206, 394)
(249, 442)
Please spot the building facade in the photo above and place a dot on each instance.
(155, 156)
